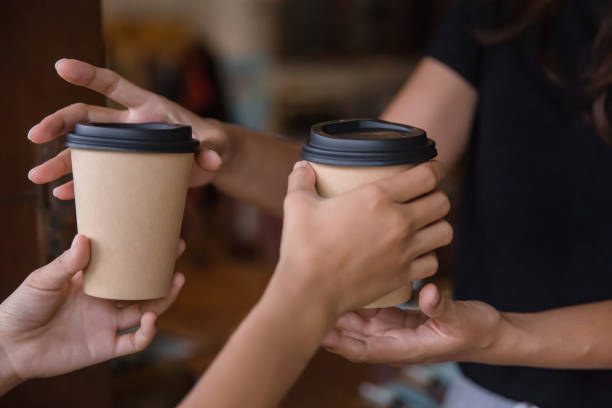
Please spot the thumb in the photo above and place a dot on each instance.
(53, 275)
(209, 160)
(436, 306)
(302, 178)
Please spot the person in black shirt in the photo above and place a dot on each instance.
(536, 227)
(534, 272)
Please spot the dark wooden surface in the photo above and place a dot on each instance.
(220, 289)
(34, 228)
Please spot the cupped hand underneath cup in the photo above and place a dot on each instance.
(48, 326)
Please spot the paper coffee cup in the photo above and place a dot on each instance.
(347, 154)
(130, 183)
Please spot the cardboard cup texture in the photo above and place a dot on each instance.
(130, 206)
(334, 180)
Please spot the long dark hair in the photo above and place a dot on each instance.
(596, 80)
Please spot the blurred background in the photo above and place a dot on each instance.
(274, 65)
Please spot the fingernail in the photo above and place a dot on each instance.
(299, 164)
(74, 240)
(30, 131)
(32, 171)
(436, 300)
(216, 158)
(54, 192)
(57, 62)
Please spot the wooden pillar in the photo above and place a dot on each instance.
(34, 227)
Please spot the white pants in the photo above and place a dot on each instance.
(464, 393)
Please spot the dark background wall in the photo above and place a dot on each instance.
(34, 227)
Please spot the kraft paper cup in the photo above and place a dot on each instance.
(347, 154)
(130, 183)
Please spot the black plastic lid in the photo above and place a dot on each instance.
(133, 137)
(367, 142)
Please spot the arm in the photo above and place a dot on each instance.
(437, 99)
(312, 286)
(250, 165)
(257, 169)
(570, 337)
(265, 355)
(446, 330)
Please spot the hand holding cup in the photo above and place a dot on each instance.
(48, 326)
(346, 154)
(344, 252)
(141, 106)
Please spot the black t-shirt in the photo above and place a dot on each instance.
(536, 228)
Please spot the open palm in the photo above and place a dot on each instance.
(443, 330)
(48, 326)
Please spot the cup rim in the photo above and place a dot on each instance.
(149, 137)
(326, 145)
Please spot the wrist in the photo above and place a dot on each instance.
(299, 298)
(508, 341)
(8, 376)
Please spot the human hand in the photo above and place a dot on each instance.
(443, 330)
(142, 106)
(346, 251)
(48, 326)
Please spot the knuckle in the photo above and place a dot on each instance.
(33, 277)
(65, 161)
(410, 222)
(439, 169)
(297, 173)
(401, 224)
(431, 266)
(405, 259)
(445, 203)
(447, 233)
(158, 101)
(112, 80)
(376, 194)
(78, 107)
(63, 262)
(408, 255)
(430, 177)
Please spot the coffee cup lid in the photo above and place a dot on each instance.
(133, 137)
(367, 142)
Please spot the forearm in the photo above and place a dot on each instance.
(571, 337)
(258, 168)
(264, 356)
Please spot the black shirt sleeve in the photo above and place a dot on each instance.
(454, 44)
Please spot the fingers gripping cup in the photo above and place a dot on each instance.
(130, 184)
(346, 154)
